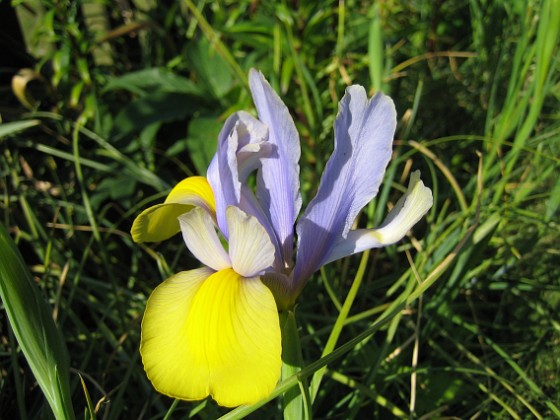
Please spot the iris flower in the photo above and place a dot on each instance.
(214, 331)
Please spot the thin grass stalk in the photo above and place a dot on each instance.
(376, 62)
(313, 367)
(214, 39)
(298, 67)
(339, 323)
(542, 51)
(362, 389)
(514, 365)
(20, 391)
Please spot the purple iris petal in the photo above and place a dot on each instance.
(278, 179)
(241, 146)
(363, 140)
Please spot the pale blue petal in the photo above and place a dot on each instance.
(199, 234)
(241, 146)
(278, 179)
(410, 208)
(364, 131)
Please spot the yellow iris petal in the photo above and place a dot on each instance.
(216, 335)
(159, 222)
(163, 335)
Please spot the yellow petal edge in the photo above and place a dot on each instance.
(159, 222)
(213, 334)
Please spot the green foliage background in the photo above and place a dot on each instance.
(120, 100)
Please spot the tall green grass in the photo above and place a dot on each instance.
(459, 319)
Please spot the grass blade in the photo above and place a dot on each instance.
(34, 328)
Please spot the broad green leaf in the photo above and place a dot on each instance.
(119, 188)
(553, 202)
(212, 69)
(31, 320)
(146, 81)
(202, 140)
(160, 106)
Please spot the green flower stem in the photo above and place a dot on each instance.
(295, 400)
(286, 384)
(339, 324)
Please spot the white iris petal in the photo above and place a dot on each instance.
(202, 240)
(250, 247)
(410, 208)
